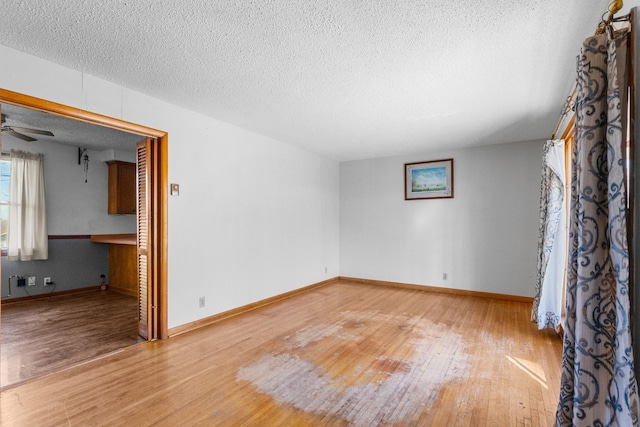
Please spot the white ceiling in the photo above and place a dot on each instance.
(348, 79)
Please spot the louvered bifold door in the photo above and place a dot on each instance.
(145, 236)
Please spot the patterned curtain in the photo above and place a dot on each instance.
(598, 385)
(552, 242)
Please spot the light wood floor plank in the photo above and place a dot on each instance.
(342, 355)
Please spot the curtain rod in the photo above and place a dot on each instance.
(614, 7)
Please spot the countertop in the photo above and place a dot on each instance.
(118, 239)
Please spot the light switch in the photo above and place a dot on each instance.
(175, 189)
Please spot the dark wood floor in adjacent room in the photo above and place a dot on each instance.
(42, 336)
(344, 354)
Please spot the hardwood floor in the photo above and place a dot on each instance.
(341, 355)
(45, 335)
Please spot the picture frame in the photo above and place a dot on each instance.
(431, 179)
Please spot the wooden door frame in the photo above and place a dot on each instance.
(159, 206)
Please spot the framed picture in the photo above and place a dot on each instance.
(428, 180)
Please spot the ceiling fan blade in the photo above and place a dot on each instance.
(29, 130)
(18, 135)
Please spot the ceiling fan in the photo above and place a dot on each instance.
(15, 131)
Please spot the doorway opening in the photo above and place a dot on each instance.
(151, 224)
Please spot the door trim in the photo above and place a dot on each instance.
(159, 244)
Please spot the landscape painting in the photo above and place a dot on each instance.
(429, 180)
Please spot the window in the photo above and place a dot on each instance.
(28, 241)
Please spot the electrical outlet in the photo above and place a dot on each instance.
(201, 302)
(444, 276)
(31, 281)
(47, 281)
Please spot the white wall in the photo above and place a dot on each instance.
(73, 205)
(484, 239)
(255, 217)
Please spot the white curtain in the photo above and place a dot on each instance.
(598, 384)
(28, 238)
(552, 242)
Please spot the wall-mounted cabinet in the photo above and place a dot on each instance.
(122, 188)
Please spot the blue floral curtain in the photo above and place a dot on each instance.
(552, 242)
(598, 386)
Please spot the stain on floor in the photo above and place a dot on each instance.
(367, 368)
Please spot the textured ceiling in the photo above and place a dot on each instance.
(67, 131)
(346, 79)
